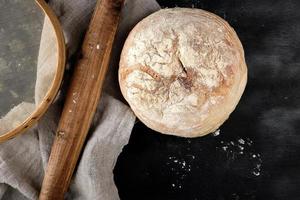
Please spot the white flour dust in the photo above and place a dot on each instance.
(181, 167)
(235, 152)
(240, 148)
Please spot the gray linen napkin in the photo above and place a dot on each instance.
(24, 158)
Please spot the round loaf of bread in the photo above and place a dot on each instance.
(183, 71)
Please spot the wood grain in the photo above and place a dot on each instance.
(82, 99)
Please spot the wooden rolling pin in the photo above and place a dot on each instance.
(82, 99)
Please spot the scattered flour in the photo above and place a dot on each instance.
(181, 167)
(234, 149)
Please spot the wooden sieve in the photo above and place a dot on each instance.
(32, 61)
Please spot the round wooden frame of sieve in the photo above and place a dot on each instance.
(55, 85)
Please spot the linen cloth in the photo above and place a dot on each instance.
(23, 160)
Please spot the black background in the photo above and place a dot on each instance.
(257, 154)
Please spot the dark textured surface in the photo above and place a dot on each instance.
(257, 154)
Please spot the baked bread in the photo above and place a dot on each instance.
(182, 71)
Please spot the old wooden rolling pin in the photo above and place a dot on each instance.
(82, 99)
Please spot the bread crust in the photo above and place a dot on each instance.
(182, 71)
